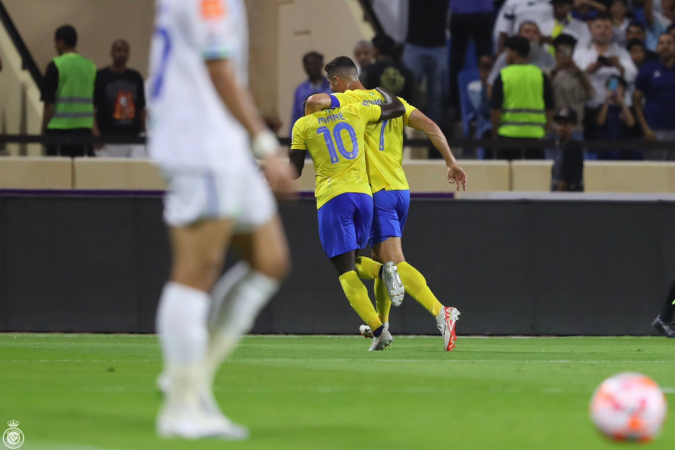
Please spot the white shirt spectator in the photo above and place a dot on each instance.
(585, 56)
(515, 12)
(576, 28)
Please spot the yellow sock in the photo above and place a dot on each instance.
(416, 286)
(357, 294)
(382, 300)
(367, 268)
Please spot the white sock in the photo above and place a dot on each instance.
(248, 293)
(181, 324)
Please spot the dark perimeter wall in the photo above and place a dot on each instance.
(98, 263)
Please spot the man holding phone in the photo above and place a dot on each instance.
(571, 86)
(602, 60)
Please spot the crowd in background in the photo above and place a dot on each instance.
(611, 62)
(80, 100)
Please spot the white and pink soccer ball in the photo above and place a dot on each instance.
(629, 407)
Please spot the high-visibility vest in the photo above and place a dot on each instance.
(524, 110)
(75, 93)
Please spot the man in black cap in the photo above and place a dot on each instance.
(568, 168)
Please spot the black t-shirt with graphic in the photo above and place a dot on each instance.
(391, 75)
(120, 99)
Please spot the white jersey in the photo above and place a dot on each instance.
(190, 126)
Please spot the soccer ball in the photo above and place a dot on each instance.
(629, 407)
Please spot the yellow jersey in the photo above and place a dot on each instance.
(335, 140)
(384, 143)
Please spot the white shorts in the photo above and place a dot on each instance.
(194, 196)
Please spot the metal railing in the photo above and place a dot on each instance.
(28, 63)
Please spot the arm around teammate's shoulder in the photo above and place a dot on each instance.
(318, 102)
(393, 107)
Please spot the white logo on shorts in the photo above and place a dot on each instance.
(13, 437)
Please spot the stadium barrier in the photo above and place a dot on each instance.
(423, 175)
(95, 261)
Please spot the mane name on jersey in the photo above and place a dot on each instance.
(331, 118)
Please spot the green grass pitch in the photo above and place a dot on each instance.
(89, 392)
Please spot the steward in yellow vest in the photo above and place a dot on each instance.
(522, 101)
(68, 94)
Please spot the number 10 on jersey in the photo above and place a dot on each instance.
(336, 138)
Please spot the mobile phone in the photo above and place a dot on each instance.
(613, 84)
(604, 61)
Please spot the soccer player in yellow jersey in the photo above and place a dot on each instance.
(335, 140)
(391, 194)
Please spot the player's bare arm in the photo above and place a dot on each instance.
(316, 103)
(297, 161)
(393, 107)
(265, 144)
(456, 174)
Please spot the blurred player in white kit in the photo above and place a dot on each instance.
(203, 127)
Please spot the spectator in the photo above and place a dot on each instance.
(636, 31)
(538, 56)
(617, 13)
(479, 98)
(522, 100)
(656, 86)
(571, 87)
(658, 22)
(564, 23)
(568, 166)
(469, 19)
(637, 51)
(516, 12)
(588, 10)
(316, 84)
(426, 52)
(601, 61)
(615, 119)
(363, 55)
(119, 102)
(68, 94)
(387, 72)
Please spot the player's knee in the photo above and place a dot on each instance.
(200, 272)
(275, 265)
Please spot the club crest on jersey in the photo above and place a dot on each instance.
(13, 437)
(213, 9)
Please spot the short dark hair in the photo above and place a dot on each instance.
(602, 16)
(66, 34)
(340, 65)
(385, 44)
(310, 54)
(518, 44)
(671, 27)
(636, 24)
(565, 39)
(635, 43)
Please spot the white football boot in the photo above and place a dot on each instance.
(393, 282)
(446, 320)
(382, 342)
(367, 332)
(193, 413)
